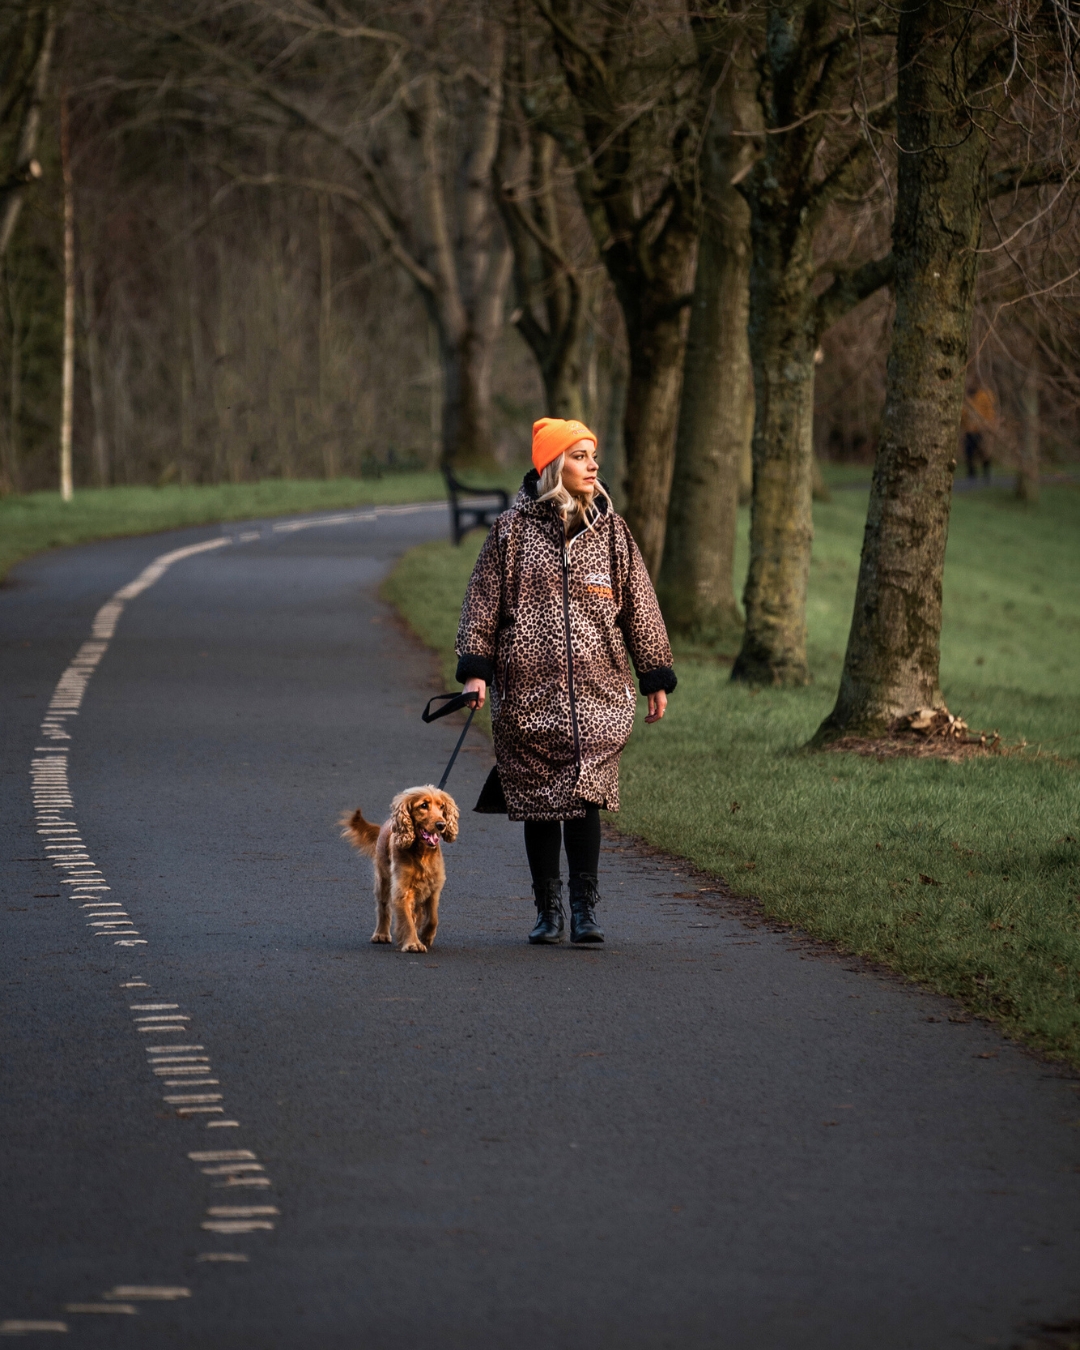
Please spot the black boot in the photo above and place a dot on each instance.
(584, 897)
(549, 911)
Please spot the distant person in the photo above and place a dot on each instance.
(978, 420)
(559, 595)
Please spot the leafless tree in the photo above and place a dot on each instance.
(965, 76)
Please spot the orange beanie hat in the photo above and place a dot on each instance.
(552, 437)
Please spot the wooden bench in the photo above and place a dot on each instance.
(471, 507)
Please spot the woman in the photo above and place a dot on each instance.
(558, 595)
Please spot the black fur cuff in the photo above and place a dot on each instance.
(475, 668)
(663, 677)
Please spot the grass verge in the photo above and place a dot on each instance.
(40, 520)
(964, 876)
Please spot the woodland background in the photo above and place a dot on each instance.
(229, 329)
(244, 239)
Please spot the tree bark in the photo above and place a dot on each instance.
(891, 664)
(803, 64)
(657, 345)
(466, 415)
(25, 168)
(782, 344)
(695, 586)
(94, 369)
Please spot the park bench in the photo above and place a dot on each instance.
(471, 507)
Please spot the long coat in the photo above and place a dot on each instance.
(548, 623)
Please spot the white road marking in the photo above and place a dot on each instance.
(236, 1225)
(226, 1168)
(170, 1049)
(192, 1082)
(65, 848)
(181, 1059)
(222, 1124)
(240, 1211)
(138, 1293)
(15, 1326)
(100, 1308)
(222, 1256)
(222, 1155)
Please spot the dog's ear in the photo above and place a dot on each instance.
(451, 809)
(402, 825)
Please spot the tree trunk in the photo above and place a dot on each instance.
(1027, 473)
(67, 381)
(552, 297)
(611, 443)
(782, 346)
(891, 664)
(94, 369)
(327, 431)
(10, 470)
(695, 586)
(25, 169)
(657, 346)
(466, 416)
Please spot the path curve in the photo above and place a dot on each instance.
(696, 1137)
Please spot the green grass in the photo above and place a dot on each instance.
(40, 520)
(837, 844)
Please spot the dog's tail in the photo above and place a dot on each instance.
(359, 832)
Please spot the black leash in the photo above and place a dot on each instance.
(451, 703)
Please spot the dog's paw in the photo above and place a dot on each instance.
(416, 946)
(380, 937)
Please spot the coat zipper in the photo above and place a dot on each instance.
(570, 650)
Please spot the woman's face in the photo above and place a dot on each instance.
(580, 468)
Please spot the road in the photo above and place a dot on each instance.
(704, 1135)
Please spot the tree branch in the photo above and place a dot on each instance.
(849, 288)
(384, 228)
(572, 40)
(1017, 177)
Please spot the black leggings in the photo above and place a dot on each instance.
(581, 837)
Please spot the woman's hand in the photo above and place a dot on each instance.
(479, 687)
(657, 705)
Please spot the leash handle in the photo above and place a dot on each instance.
(451, 703)
(461, 738)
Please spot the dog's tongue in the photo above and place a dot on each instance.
(429, 838)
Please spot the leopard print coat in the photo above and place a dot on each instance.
(548, 623)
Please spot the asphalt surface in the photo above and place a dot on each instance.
(702, 1135)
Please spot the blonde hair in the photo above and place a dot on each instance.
(573, 510)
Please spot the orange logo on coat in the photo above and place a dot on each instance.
(605, 591)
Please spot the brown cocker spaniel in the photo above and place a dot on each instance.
(409, 871)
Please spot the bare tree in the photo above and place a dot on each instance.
(961, 69)
(824, 96)
(716, 411)
(553, 282)
(631, 136)
(400, 125)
